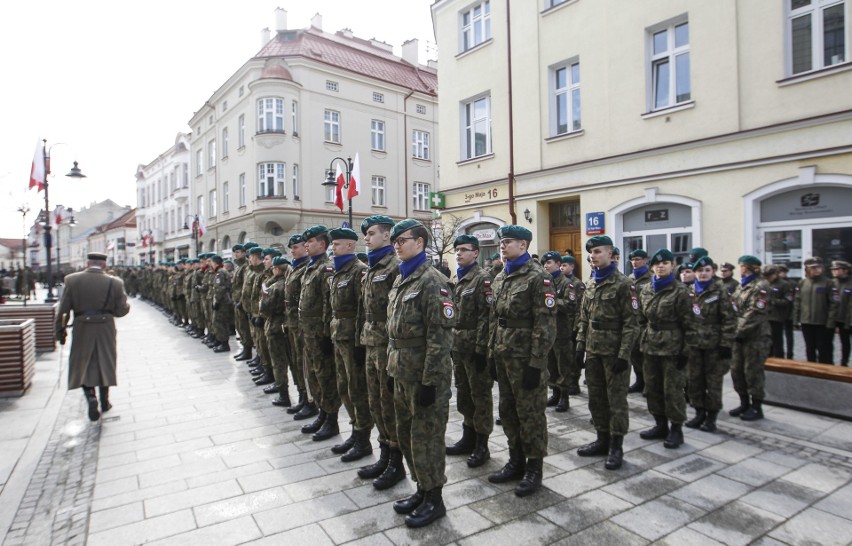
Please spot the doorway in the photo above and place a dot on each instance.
(565, 235)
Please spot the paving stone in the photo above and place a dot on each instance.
(814, 527)
(251, 503)
(376, 539)
(302, 513)
(320, 484)
(643, 487)
(754, 472)
(457, 524)
(820, 477)
(783, 459)
(108, 489)
(136, 495)
(687, 537)
(180, 471)
(736, 523)
(145, 531)
(603, 533)
(237, 531)
(529, 529)
(508, 506)
(731, 451)
(585, 510)
(783, 498)
(191, 497)
(362, 523)
(838, 503)
(280, 476)
(690, 468)
(467, 492)
(657, 518)
(116, 517)
(711, 492)
(152, 465)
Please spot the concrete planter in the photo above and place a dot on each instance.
(44, 315)
(818, 388)
(17, 355)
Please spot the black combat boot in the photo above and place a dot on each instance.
(430, 509)
(92, 400)
(639, 385)
(563, 404)
(616, 453)
(393, 474)
(256, 371)
(222, 348)
(597, 448)
(245, 355)
(466, 444)
(270, 389)
(254, 361)
(513, 470)
(373, 471)
(753, 413)
(574, 389)
(710, 422)
(700, 416)
(554, 397)
(303, 398)
(532, 478)
(329, 428)
(362, 447)
(480, 453)
(103, 392)
(744, 405)
(658, 431)
(342, 448)
(283, 400)
(266, 378)
(316, 425)
(408, 504)
(307, 411)
(675, 438)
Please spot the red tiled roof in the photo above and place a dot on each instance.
(276, 71)
(352, 54)
(128, 219)
(14, 244)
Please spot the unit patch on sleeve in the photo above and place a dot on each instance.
(549, 300)
(449, 310)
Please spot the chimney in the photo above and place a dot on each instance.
(346, 32)
(384, 46)
(316, 21)
(280, 19)
(264, 37)
(409, 51)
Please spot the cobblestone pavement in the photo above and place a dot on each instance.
(193, 452)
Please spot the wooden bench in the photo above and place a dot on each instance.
(17, 355)
(44, 315)
(818, 388)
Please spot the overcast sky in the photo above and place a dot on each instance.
(117, 81)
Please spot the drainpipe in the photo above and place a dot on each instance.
(511, 176)
(405, 143)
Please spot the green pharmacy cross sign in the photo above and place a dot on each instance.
(436, 199)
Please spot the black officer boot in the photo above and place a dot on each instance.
(700, 416)
(554, 397)
(480, 453)
(328, 429)
(89, 393)
(342, 448)
(616, 453)
(256, 370)
(430, 509)
(574, 389)
(658, 431)
(753, 413)
(222, 348)
(597, 448)
(675, 438)
(744, 405)
(360, 449)
(283, 400)
(563, 404)
(267, 377)
(103, 392)
(245, 355)
(513, 470)
(373, 471)
(408, 504)
(303, 398)
(639, 385)
(307, 411)
(393, 474)
(254, 361)
(466, 444)
(270, 389)
(710, 422)
(316, 425)
(532, 478)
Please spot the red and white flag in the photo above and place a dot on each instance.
(338, 190)
(201, 227)
(58, 215)
(111, 245)
(37, 173)
(355, 178)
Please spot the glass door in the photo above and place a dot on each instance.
(833, 243)
(784, 247)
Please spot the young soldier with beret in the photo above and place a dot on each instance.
(303, 409)
(641, 275)
(563, 347)
(576, 289)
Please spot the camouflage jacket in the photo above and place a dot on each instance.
(238, 278)
(751, 305)
(247, 299)
(272, 304)
(221, 291)
(715, 323)
(608, 323)
(421, 315)
(346, 303)
(844, 301)
(813, 303)
(376, 287)
(565, 307)
(576, 290)
(730, 284)
(643, 279)
(261, 290)
(292, 289)
(314, 304)
(197, 279)
(781, 296)
(523, 315)
(472, 295)
(667, 319)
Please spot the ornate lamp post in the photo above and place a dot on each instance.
(195, 224)
(331, 182)
(24, 209)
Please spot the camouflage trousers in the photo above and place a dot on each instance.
(747, 370)
(559, 363)
(243, 328)
(379, 396)
(705, 374)
(343, 360)
(522, 410)
(278, 345)
(321, 375)
(664, 385)
(421, 432)
(219, 326)
(297, 359)
(180, 308)
(637, 361)
(474, 398)
(207, 309)
(607, 394)
(355, 378)
(262, 346)
(198, 315)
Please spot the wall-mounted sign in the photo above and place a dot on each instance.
(595, 223)
(488, 234)
(657, 215)
(482, 195)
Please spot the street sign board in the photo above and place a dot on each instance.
(595, 223)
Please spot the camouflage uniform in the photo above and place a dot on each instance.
(562, 353)
(781, 295)
(250, 303)
(272, 306)
(221, 306)
(292, 288)
(636, 359)
(421, 316)
(714, 327)
(315, 318)
(196, 300)
(259, 291)
(576, 290)
(752, 337)
(813, 309)
(242, 323)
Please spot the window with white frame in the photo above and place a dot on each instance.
(420, 196)
(270, 115)
(199, 162)
(212, 204)
(226, 197)
(378, 97)
(476, 25)
(566, 98)
(331, 126)
(224, 142)
(211, 154)
(420, 144)
(670, 81)
(420, 108)
(172, 182)
(331, 86)
(377, 135)
(816, 34)
(476, 128)
(199, 205)
(272, 180)
(241, 131)
(377, 185)
(224, 106)
(294, 122)
(296, 190)
(186, 175)
(242, 189)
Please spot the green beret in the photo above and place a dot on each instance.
(370, 221)
(569, 260)
(237, 247)
(403, 226)
(343, 233)
(662, 255)
(216, 258)
(616, 251)
(686, 265)
(696, 253)
(313, 231)
(361, 256)
(495, 256)
(598, 240)
(514, 232)
(295, 240)
(271, 252)
(255, 250)
(280, 260)
(749, 260)
(466, 240)
(551, 255)
(638, 253)
(249, 245)
(229, 261)
(703, 261)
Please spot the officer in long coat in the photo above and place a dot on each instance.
(96, 299)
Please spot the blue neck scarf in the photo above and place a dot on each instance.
(462, 271)
(340, 261)
(638, 272)
(747, 279)
(601, 275)
(313, 259)
(659, 284)
(513, 265)
(701, 286)
(408, 267)
(299, 261)
(556, 273)
(375, 256)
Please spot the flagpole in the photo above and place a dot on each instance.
(329, 181)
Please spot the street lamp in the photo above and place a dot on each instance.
(195, 225)
(331, 182)
(71, 222)
(24, 209)
(48, 241)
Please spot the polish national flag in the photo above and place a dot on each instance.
(338, 190)
(37, 173)
(355, 178)
(201, 227)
